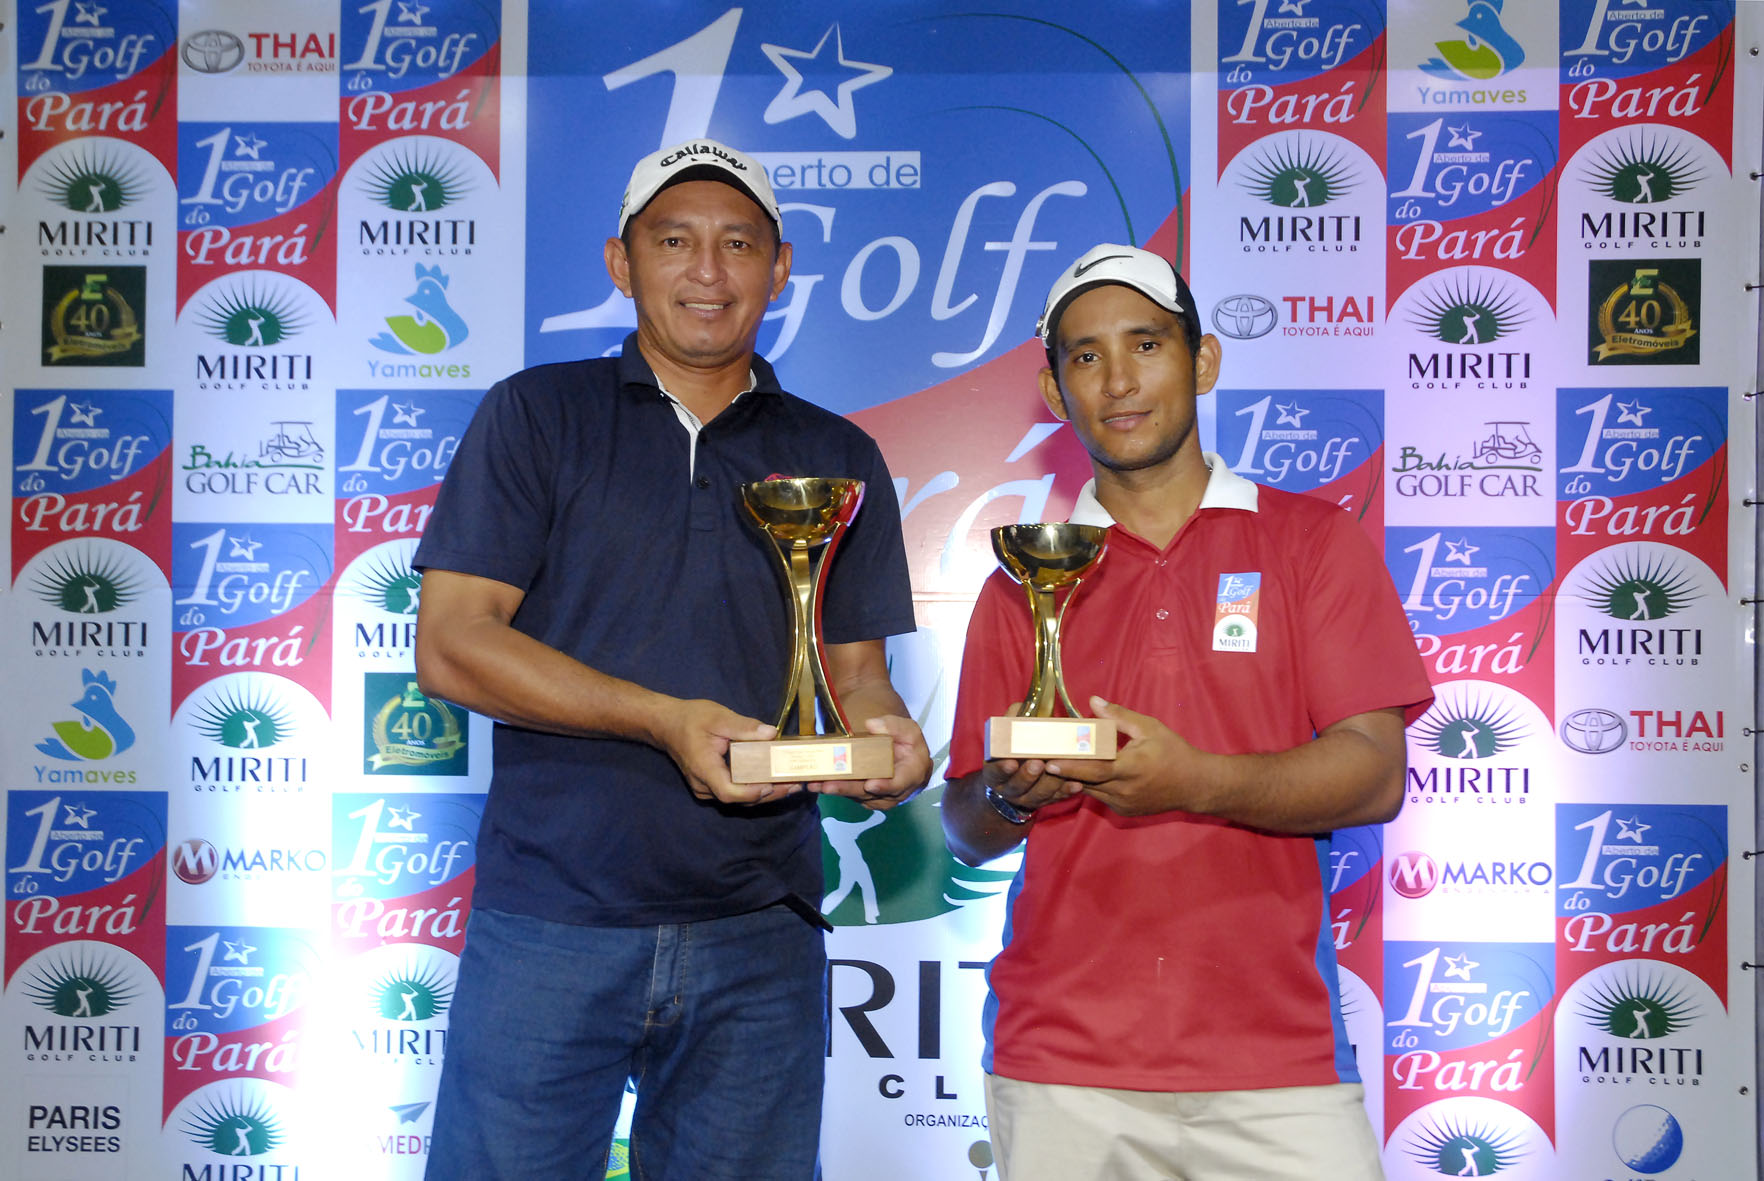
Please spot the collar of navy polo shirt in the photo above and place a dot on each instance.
(1225, 489)
(634, 370)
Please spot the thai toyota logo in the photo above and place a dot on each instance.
(195, 861)
(1594, 731)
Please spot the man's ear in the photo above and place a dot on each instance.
(1206, 364)
(1050, 393)
(781, 269)
(618, 264)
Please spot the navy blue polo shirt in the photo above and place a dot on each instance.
(572, 484)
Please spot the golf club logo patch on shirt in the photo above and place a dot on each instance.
(1234, 616)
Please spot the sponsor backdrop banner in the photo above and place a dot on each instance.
(1480, 271)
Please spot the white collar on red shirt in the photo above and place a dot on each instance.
(1225, 489)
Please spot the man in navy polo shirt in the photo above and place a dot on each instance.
(590, 584)
(1165, 1003)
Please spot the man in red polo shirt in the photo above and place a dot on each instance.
(1165, 1003)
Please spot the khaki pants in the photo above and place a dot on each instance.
(1049, 1132)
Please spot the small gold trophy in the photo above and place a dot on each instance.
(799, 516)
(1045, 558)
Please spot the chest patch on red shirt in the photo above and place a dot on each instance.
(1235, 614)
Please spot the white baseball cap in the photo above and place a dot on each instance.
(1128, 266)
(698, 159)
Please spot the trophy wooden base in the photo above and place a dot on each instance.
(1050, 738)
(809, 760)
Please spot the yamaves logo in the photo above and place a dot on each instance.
(1486, 51)
(434, 328)
(99, 732)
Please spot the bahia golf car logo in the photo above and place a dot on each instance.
(1298, 175)
(1453, 1146)
(892, 867)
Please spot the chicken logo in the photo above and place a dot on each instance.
(99, 732)
(435, 327)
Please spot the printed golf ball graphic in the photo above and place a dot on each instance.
(1648, 1139)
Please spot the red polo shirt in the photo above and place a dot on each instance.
(1178, 952)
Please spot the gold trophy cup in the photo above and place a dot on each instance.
(1044, 559)
(800, 516)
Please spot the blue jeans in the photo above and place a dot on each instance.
(721, 1025)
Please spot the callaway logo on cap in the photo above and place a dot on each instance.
(1151, 276)
(699, 159)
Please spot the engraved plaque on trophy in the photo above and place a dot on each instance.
(804, 520)
(1045, 559)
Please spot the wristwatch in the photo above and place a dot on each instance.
(1007, 809)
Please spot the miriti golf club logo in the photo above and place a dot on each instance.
(234, 1123)
(79, 981)
(1639, 588)
(1638, 1005)
(415, 177)
(94, 178)
(1645, 168)
(243, 717)
(1468, 725)
(893, 867)
(1468, 310)
(1457, 1146)
(1298, 174)
(249, 315)
(86, 581)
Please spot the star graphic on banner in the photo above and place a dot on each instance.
(402, 818)
(1632, 829)
(411, 12)
(1290, 414)
(1631, 412)
(240, 951)
(792, 101)
(1296, 7)
(243, 547)
(87, 12)
(1463, 137)
(84, 413)
(77, 816)
(249, 145)
(406, 412)
(1459, 966)
(1460, 550)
